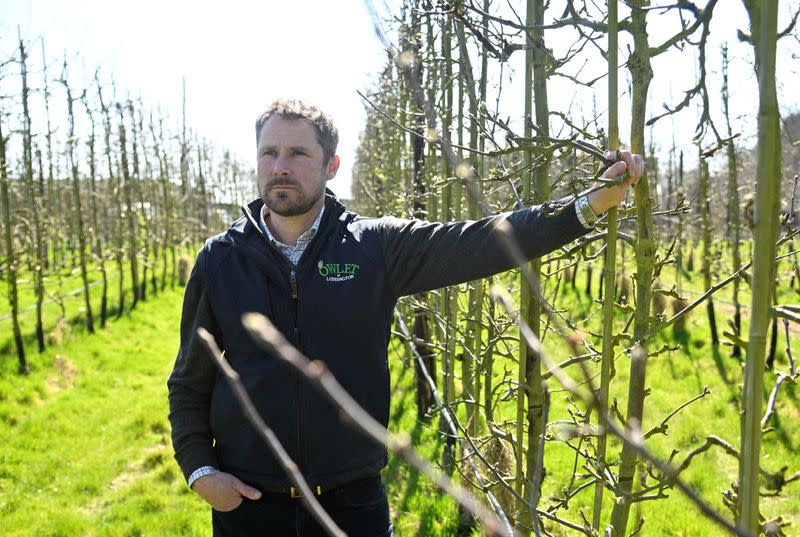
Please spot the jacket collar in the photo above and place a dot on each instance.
(247, 235)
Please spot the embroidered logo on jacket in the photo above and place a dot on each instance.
(337, 272)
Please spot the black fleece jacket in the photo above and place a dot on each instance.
(337, 306)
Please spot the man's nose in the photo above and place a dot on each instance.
(281, 168)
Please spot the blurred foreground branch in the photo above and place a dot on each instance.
(270, 338)
(289, 466)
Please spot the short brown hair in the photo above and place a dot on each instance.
(326, 131)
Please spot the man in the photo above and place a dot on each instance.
(329, 280)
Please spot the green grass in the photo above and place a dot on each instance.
(86, 439)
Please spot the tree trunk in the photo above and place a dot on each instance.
(734, 226)
(609, 264)
(97, 235)
(117, 228)
(471, 376)
(422, 333)
(76, 194)
(449, 301)
(141, 219)
(130, 212)
(39, 247)
(13, 296)
(163, 178)
(763, 24)
(641, 74)
(50, 200)
(705, 210)
(535, 191)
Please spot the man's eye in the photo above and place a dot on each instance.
(299, 152)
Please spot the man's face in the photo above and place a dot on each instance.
(291, 171)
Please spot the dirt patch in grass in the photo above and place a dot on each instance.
(67, 369)
(59, 334)
(154, 458)
(64, 374)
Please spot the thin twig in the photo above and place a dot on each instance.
(789, 348)
(568, 362)
(662, 427)
(773, 396)
(786, 313)
(698, 301)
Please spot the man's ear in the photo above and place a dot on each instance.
(332, 167)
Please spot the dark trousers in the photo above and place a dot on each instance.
(359, 508)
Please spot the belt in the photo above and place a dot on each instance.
(318, 490)
(294, 492)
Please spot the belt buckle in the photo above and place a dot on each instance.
(295, 494)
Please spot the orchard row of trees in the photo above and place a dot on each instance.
(100, 183)
(441, 143)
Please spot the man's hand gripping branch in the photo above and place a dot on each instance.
(624, 161)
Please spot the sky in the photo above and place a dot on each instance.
(236, 56)
(675, 71)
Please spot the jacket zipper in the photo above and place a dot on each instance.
(300, 399)
(295, 332)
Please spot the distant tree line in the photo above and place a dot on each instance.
(102, 184)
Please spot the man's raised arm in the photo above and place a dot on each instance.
(421, 255)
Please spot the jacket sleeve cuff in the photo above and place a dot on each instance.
(196, 457)
(566, 213)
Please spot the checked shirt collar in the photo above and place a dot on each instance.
(292, 253)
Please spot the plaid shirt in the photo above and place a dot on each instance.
(293, 254)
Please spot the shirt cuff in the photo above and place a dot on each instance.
(200, 472)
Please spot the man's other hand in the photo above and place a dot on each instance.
(223, 491)
(605, 198)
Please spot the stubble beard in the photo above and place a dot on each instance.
(288, 202)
